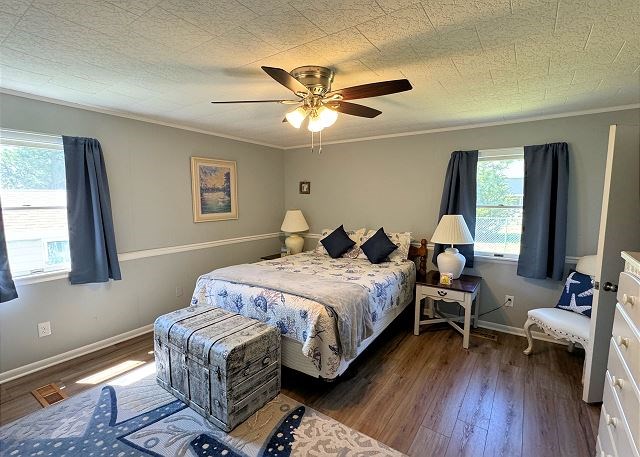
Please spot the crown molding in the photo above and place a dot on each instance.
(132, 116)
(150, 120)
(475, 126)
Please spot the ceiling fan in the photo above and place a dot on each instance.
(311, 85)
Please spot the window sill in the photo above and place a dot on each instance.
(41, 277)
(490, 258)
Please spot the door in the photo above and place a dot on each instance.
(619, 231)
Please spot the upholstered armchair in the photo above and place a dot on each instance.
(561, 324)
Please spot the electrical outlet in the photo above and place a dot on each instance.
(178, 291)
(44, 329)
(509, 301)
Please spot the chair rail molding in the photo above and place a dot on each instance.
(154, 252)
(481, 258)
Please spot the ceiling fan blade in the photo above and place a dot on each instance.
(372, 89)
(354, 109)
(286, 80)
(283, 102)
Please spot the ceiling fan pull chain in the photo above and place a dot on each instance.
(311, 142)
(320, 143)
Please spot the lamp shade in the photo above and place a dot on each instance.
(294, 222)
(452, 229)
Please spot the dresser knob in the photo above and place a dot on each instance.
(628, 300)
(266, 360)
(442, 293)
(622, 341)
(613, 421)
(617, 382)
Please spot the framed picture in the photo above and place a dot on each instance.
(214, 189)
(305, 187)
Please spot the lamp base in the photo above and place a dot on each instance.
(294, 243)
(451, 261)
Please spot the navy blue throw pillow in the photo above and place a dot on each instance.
(337, 242)
(378, 247)
(577, 294)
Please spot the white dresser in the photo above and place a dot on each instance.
(619, 430)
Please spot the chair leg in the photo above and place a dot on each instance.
(571, 346)
(527, 331)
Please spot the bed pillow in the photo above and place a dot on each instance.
(577, 295)
(378, 247)
(401, 239)
(337, 242)
(357, 236)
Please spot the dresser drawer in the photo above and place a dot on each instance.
(615, 422)
(625, 390)
(628, 341)
(604, 443)
(629, 296)
(443, 294)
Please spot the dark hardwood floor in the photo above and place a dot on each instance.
(425, 396)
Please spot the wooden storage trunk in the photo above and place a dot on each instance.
(223, 365)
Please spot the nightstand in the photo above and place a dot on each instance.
(271, 256)
(464, 291)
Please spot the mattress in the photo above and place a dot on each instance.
(389, 286)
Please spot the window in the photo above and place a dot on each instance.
(34, 202)
(499, 205)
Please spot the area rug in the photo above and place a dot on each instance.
(133, 416)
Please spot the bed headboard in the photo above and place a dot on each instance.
(418, 253)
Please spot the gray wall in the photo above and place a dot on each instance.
(397, 183)
(391, 182)
(149, 176)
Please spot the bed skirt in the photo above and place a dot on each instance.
(292, 356)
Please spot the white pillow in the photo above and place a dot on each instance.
(356, 235)
(400, 239)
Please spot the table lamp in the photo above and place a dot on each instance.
(294, 222)
(452, 229)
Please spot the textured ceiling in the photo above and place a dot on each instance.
(469, 61)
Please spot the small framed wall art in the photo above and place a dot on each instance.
(305, 187)
(214, 189)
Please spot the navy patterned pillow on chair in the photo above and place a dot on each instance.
(577, 294)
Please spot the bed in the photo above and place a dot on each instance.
(313, 340)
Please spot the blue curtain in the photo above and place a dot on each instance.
(459, 197)
(7, 287)
(92, 240)
(544, 211)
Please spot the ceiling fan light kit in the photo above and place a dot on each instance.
(312, 85)
(297, 116)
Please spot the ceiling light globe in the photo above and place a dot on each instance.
(315, 124)
(327, 116)
(296, 116)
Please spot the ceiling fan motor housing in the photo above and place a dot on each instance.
(317, 79)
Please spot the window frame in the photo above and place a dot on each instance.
(12, 137)
(486, 155)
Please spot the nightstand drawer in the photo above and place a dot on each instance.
(443, 294)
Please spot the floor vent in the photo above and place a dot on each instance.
(48, 395)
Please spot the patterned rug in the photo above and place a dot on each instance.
(133, 416)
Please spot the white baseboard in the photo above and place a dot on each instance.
(519, 331)
(56, 359)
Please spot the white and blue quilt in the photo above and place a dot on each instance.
(312, 322)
